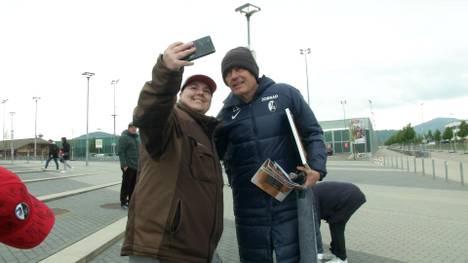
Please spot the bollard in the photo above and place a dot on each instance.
(391, 157)
(401, 161)
(423, 168)
(407, 164)
(446, 171)
(462, 181)
(384, 163)
(414, 164)
(433, 169)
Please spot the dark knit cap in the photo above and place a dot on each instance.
(239, 57)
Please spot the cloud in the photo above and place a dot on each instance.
(440, 79)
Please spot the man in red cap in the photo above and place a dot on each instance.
(176, 209)
(25, 221)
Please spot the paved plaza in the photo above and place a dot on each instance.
(408, 217)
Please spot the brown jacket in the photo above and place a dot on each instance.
(176, 210)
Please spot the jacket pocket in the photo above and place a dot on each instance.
(176, 217)
(202, 163)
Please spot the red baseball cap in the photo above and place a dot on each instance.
(201, 78)
(25, 221)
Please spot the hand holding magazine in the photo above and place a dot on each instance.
(272, 178)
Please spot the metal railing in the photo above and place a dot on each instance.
(446, 169)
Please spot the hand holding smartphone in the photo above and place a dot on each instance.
(204, 46)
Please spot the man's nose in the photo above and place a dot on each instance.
(234, 74)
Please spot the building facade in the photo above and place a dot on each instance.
(354, 135)
(23, 148)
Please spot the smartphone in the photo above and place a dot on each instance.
(204, 47)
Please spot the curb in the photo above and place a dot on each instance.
(91, 246)
(51, 197)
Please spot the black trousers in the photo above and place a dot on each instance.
(55, 160)
(337, 245)
(128, 184)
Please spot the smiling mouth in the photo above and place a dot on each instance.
(198, 100)
(237, 85)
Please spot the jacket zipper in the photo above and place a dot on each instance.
(254, 127)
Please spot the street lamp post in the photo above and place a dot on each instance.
(248, 10)
(372, 114)
(88, 75)
(372, 121)
(114, 143)
(343, 103)
(3, 131)
(305, 52)
(12, 137)
(35, 128)
(422, 118)
(422, 126)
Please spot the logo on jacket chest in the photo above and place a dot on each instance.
(271, 102)
(272, 106)
(235, 111)
(271, 97)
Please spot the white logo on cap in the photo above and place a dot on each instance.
(22, 211)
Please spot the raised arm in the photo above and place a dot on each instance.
(157, 98)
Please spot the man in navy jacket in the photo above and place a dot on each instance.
(255, 128)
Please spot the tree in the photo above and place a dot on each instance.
(437, 136)
(418, 139)
(463, 132)
(448, 134)
(408, 134)
(429, 136)
(392, 140)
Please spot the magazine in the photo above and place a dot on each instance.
(272, 178)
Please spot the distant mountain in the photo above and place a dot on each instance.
(433, 125)
(383, 135)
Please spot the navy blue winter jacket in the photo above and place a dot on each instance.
(251, 133)
(337, 201)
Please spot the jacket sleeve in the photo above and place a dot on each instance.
(123, 151)
(311, 133)
(221, 143)
(154, 113)
(220, 137)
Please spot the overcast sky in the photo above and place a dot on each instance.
(409, 57)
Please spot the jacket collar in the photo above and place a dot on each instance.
(207, 123)
(126, 133)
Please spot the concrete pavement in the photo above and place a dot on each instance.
(407, 218)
